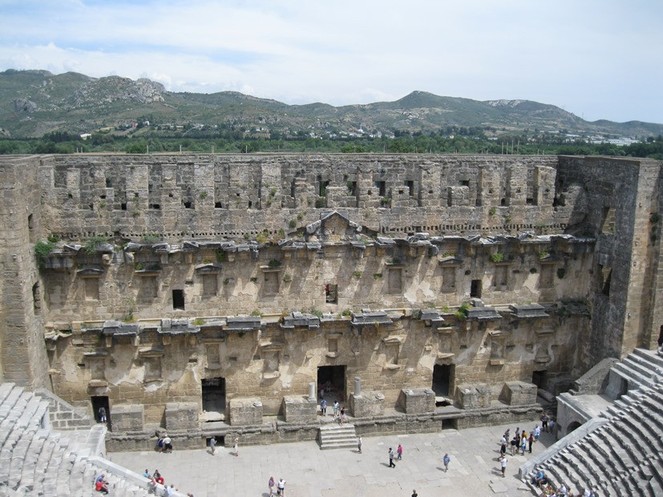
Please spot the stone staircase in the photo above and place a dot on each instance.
(35, 460)
(623, 456)
(337, 436)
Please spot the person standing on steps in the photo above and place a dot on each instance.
(391, 458)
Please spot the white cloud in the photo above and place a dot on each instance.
(597, 58)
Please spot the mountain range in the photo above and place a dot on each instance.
(37, 102)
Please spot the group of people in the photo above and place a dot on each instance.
(521, 441)
(541, 481)
(280, 486)
(164, 443)
(338, 411)
(100, 484)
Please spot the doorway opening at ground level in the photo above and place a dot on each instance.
(442, 382)
(214, 399)
(331, 384)
(539, 379)
(100, 407)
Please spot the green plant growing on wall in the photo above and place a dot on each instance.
(221, 256)
(461, 313)
(150, 238)
(281, 234)
(256, 313)
(91, 244)
(262, 237)
(317, 313)
(287, 278)
(202, 196)
(292, 224)
(42, 250)
(543, 254)
(356, 274)
(274, 263)
(198, 322)
(497, 257)
(53, 238)
(346, 313)
(377, 276)
(492, 211)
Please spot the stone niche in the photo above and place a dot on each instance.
(473, 396)
(128, 418)
(367, 404)
(299, 409)
(182, 416)
(417, 400)
(245, 411)
(518, 393)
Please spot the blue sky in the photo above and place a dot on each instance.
(600, 59)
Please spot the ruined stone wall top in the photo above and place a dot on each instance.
(209, 196)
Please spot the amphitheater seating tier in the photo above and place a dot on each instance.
(624, 455)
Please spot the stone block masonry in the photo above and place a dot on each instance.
(183, 284)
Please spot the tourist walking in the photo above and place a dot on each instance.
(391, 458)
(236, 447)
(503, 462)
(271, 484)
(359, 444)
(446, 460)
(399, 452)
(323, 407)
(102, 414)
(530, 441)
(212, 445)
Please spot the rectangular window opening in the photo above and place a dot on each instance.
(178, 299)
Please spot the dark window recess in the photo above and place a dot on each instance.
(465, 182)
(331, 293)
(156, 207)
(382, 188)
(178, 299)
(187, 204)
(475, 289)
(217, 205)
(123, 206)
(410, 186)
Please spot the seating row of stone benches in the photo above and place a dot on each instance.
(35, 460)
(624, 455)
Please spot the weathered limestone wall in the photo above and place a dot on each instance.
(208, 196)
(616, 202)
(163, 258)
(22, 353)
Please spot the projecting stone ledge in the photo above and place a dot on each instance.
(474, 396)
(417, 400)
(367, 404)
(299, 409)
(245, 411)
(518, 393)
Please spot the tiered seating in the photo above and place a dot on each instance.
(623, 456)
(37, 461)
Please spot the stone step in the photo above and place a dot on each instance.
(649, 356)
(634, 378)
(642, 366)
(337, 436)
